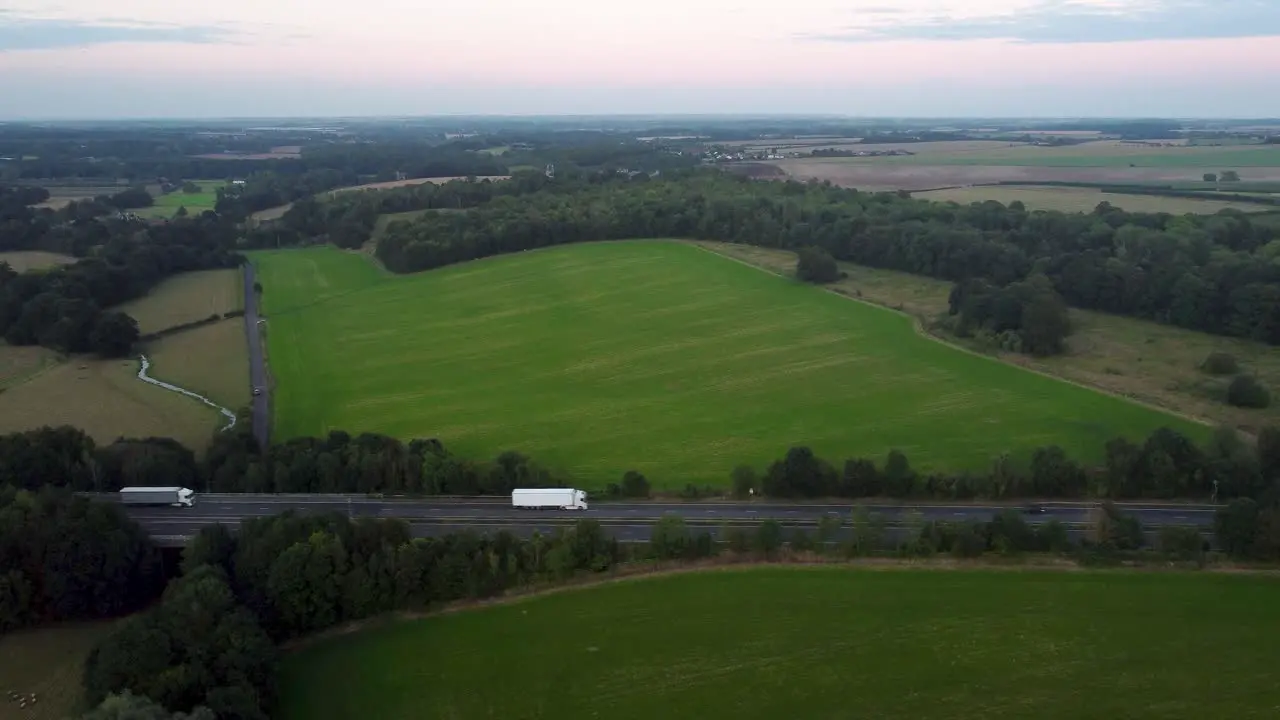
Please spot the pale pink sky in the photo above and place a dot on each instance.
(888, 57)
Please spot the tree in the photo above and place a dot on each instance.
(898, 477)
(190, 188)
(1110, 527)
(1246, 392)
(1269, 453)
(127, 706)
(635, 485)
(1236, 527)
(768, 538)
(114, 335)
(746, 481)
(816, 265)
(669, 538)
(868, 532)
(800, 474)
(1211, 177)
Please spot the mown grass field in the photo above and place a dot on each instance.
(24, 260)
(106, 400)
(820, 643)
(195, 203)
(1074, 199)
(48, 662)
(650, 355)
(187, 297)
(211, 360)
(1154, 363)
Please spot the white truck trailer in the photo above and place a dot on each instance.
(544, 498)
(173, 496)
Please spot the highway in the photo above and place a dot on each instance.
(628, 521)
(257, 362)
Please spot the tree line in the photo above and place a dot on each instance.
(1217, 274)
(1166, 464)
(67, 308)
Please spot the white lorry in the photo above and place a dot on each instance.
(562, 498)
(173, 496)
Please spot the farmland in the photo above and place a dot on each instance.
(1073, 199)
(211, 360)
(187, 297)
(24, 260)
(1157, 364)
(649, 355)
(48, 662)
(819, 642)
(166, 205)
(105, 399)
(961, 163)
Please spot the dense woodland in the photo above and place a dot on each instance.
(1218, 274)
(63, 557)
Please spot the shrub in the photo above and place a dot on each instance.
(1220, 363)
(635, 485)
(816, 265)
(1245, 391)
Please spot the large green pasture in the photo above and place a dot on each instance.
(650, 355)
(820, 643)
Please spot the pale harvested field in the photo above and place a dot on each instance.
(19, 363)
(412, 181)
(1153, 363)
(186, 298)
(106, 399)
(24, 260)
(48, 662)
(1071, 199)
(211, 360)
(865, 174)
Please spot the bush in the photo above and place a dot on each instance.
(1220, 363)
(1181, 543)
(1245, 391)
(635, 485)
(816, 265)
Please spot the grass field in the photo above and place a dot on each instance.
(211, 360)
(1154, 363)
(820, 643)
(106, 400)
(17, 364)
(24, 260)
(1073, 199)
(649, 355)
(47, 662)
(195, 203)
(187, 297)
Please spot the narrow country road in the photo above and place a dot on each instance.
(261, 403)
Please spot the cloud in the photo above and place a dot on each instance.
(40, 34)
(1084, 21)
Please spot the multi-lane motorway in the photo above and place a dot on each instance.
(628, 521)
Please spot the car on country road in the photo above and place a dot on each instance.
(257, 391)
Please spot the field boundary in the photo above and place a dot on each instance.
(729, 562)
(923, 331)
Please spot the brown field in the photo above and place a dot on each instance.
(46, 661)
(1152, 363)
(864, 174)
(24, 260)
(1070, 199)
(411, 181)
(186, 298)
(17, 364)
(211, 360)
(106, 399)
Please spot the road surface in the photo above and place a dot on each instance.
(261, 404)
(625, 520)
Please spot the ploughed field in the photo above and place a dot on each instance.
(820, 643)
(657, 356)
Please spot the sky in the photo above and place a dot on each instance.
(74, 59)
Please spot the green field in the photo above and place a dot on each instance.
(195, 203)
(650, 355)
(820, 643)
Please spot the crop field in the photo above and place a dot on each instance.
(1157, 364)
(187, 297)
(107, 400)
(819, 643)
(1074, 199)
(657, 356)
(211, 360)
(48, 662)
(24, 260)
